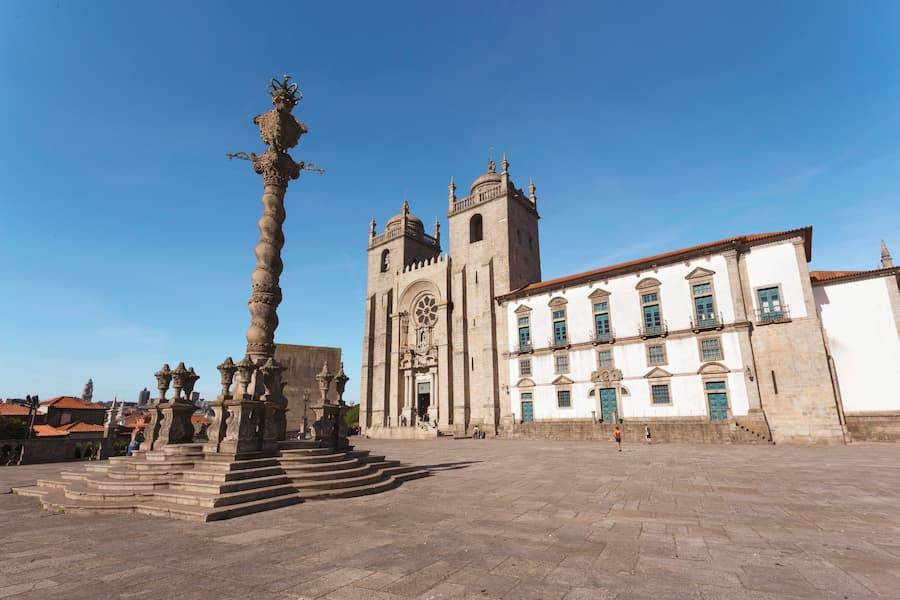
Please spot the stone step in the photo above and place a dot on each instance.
(294, 467)
(388, 483)
(356, 471)
(231, 486)
(321, 458)
(306, 451)
(212, 500)
(222, 476)
(346, 482)
(222, 466)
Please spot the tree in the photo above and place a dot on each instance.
(351, 416)
(12, 429)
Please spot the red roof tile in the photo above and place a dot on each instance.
(48, 431)
(13, 410)
(81, 427)
(822, 277)
(71, 402)
(664, 258)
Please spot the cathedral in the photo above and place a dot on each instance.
(731, 340)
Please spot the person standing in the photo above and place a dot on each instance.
(617, 434)
(647, 433)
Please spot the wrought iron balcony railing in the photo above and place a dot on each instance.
(559, 341)
(602, 337)
(524, 346)
(704, 322)
(773, 314)
(648, 331)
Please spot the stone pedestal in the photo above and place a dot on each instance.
(215, 433)
(324, 433)
(175, 423)
(274, 423)
(151, 429)
(244, 426)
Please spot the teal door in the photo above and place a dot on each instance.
(608, 404)
(527, 408)
(718, 401)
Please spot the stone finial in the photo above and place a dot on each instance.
(163, 379)
(270, 371)
(452, 194)
(340, 383)
(504, 164)
(178, 376)
(227, 369)
(372, 227)
(190, 379)
(492, 166)
(404, 209)
(324, 380)
(437, 238)
(532, 191)
(245, 368)
(886, 261)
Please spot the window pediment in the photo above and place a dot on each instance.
(598, 293)
(562, 380)
(525, 382)
(699, 273)
(558, 301)
(713, 367)
(657, 373)
(648, 283)
(523, 310)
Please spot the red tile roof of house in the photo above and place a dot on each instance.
(48, 431)
(81, 427)
(200, 418)
(13, 410)
(71, 402)
(823, 277)
(664, 258)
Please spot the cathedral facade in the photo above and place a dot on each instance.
(717, 341)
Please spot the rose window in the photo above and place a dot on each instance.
(426, 311)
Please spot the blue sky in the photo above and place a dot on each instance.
(126, 236)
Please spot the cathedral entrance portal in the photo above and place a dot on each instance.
(423, 399)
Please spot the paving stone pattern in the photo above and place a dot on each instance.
(505, 519)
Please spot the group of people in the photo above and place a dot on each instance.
(617, 435)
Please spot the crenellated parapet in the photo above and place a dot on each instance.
(416, 265)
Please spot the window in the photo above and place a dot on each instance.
(476, 229)
(564, 399)
(770, 308)
(524, 333)
(650, 308)
(605, 359)
(561, 362)
(704, 307)
(660, 393)
(602, 331)
(385, 261)
(524, 367)
(560, 335)
(656, 354)
(710, 349)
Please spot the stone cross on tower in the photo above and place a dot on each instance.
(281, 131)
(88, 394)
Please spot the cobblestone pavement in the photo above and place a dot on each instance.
(505, 519)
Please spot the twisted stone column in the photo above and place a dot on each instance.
(280, 130)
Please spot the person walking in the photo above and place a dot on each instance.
(647, 433)
(617, 434)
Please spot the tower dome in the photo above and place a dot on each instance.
(490, 177)
(396, 221)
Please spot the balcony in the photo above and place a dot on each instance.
(773, 314)
(559, 342)
(523, 347)
(603, 337)
(652, 331)
(706, 323)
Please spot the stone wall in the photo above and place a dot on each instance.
(632, 431)
(884, 427)
(47, 450)
(301, 365)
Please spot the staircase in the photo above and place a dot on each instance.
(182, 482)
(744, 434)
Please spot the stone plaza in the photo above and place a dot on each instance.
(505, 519)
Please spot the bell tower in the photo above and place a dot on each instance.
(495, 248)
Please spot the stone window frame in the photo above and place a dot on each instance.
(596, 296)
(556, 369)
(650, 285)
(658, 376)
(665, 354)
(559, 303)
(701, 339)
(525, 372)
(385, 263)
(563, 384)
(476, 228)
(700, 276)
(523, 312)
(612, 359)
(715, 373)
(668, 386)
(785, 308)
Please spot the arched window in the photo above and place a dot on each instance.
(385, 261)
(476, 229)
